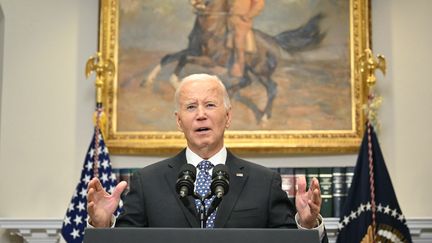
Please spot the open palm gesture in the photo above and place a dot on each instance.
(308, 202)
(100, 204)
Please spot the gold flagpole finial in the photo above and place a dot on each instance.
(368, 65)
(103, 69)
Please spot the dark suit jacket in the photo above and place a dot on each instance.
(255, 198)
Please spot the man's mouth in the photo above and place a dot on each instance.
(202, 129)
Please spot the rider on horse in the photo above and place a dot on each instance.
(240, 21)
(240, 15)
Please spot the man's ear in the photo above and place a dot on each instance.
(179, 122)
(229, 117)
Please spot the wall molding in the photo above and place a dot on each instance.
(48, 230)
(34, 230)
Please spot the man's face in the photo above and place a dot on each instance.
(202, 116)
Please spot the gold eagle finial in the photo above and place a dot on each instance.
(101, 67)
(368, 65)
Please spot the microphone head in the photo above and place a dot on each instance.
(220, 180)
(186, 179)
(188, 169)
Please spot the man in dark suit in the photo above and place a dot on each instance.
(255, 198)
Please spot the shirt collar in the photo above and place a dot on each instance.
(218, 158)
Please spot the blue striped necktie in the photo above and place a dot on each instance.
(203, 187)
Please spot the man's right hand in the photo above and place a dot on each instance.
(100, 204)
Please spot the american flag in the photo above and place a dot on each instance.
(96, 163)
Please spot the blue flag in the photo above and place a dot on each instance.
(75, 220)
(360, 216)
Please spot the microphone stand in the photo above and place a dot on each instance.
(214, 205)
(203, 215)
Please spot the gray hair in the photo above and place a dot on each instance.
(197, 77)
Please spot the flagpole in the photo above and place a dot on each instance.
(371, 181)
(368, 65)
(97, 148)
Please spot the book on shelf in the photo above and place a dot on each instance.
(288, 182)
(326, 185)
(349, 175)
(339, 190)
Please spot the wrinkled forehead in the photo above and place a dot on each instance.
(197, 85)
(201, 89)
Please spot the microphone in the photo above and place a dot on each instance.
(220, 180)
(186, 180)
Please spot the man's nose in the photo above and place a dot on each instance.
(201, 112)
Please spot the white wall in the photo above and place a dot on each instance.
(1, 56)
(46, 104)
(401, 31)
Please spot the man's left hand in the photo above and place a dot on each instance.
(308, 203)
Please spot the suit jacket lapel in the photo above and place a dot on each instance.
(171, 177)
(238, 174)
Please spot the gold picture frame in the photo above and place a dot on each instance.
(302, 135)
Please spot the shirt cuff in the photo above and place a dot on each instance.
(113, 221)
(320, 226)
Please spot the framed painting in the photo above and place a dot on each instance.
(300, 90)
